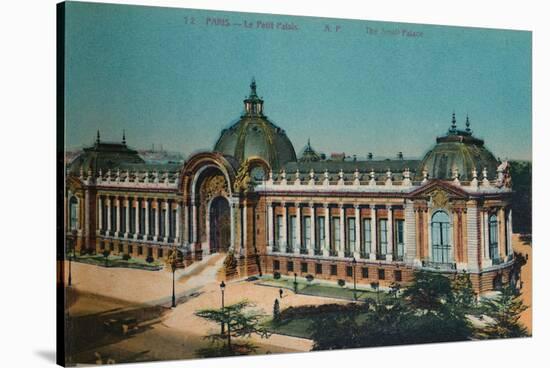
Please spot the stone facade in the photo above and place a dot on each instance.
(379, 224)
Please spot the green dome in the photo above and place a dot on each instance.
(255, 136)
(459, 150)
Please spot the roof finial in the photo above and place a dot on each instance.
(253, 87)
(123, 136)
(453, 125)
(97, 141)
(468, 124)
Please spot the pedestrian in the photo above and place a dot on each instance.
(281, 293)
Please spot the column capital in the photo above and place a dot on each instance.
(325, 205)
(341, 205)
(389, 207)
(356, 206)
(311, 204)
(372, 206)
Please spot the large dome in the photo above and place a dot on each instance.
(255, 136)
(458, 150)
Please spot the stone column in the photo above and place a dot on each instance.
(298, 235)
(87, 218)
(245, 228)
(178, 219)
(374, 233)
(194, 237)
(232, 206)
(185, 222)
(357, 249)
(485, 236)
(284, 236)
(138, 210)
(157, 219)
(108, 204)
(147, 218)
(501, 233)
(342, 231)
(410, 255)
(100, 214)
(389, 253)
(327, 230)
(311, 250)
(167, 220)
(270, 234)
(117, 203)
(126, 217)
(510, 232)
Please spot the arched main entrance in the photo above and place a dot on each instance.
(220, 229)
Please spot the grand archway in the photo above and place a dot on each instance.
(220, 228)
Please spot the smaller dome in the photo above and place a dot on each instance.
(458, 151)
(309, 154)
(104, 156)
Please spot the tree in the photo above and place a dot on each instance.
(241, 323)
(276, 311)
(463, 293)
(429, 292)
(504, 311)
(394, 289)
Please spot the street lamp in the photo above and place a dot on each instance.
(354, 263)
(173, 265)
(222, 288)
(71, 249)
(295, 284)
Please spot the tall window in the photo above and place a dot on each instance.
(73, 208)
(123, 219)
(293, 239)
(279, 230)
(113, 216)
(367, 239)
(133, 220)
(399, 239)
(383, 236)
(351, 233)
(335, 233)
(441, 244)
(321, 231)
(307, 232)
(173, 223)
(162, 221)
(104, 210)
(142, 220)
(493, 237)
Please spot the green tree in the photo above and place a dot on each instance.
(504, 312)
(429, 292)
(241, 322)
(463, 293)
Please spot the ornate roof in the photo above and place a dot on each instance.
(309, 154)
(458, 153)
(104, 156)
(255, 136)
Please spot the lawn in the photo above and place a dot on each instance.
(117, 261)
(323, 290)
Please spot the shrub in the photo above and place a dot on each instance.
(149, 259)
(276, 311)
(276, 275)
(341, 282)
(126, 256)
(309, 278)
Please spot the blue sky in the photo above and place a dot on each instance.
(168, 80)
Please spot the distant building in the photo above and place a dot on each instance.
(251, 196)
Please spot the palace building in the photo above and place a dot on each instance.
(272, 211)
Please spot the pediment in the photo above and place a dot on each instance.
(439, 191)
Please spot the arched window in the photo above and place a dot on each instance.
(73, 209)
(441, 243)
(493, 237)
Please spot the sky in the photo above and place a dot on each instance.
(177, 77)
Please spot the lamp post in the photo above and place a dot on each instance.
(173, 264)
(222, 288)
(71, 249)
(295, 284)
(354, 263)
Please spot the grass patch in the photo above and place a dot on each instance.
(324, 290)
(117, 261)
